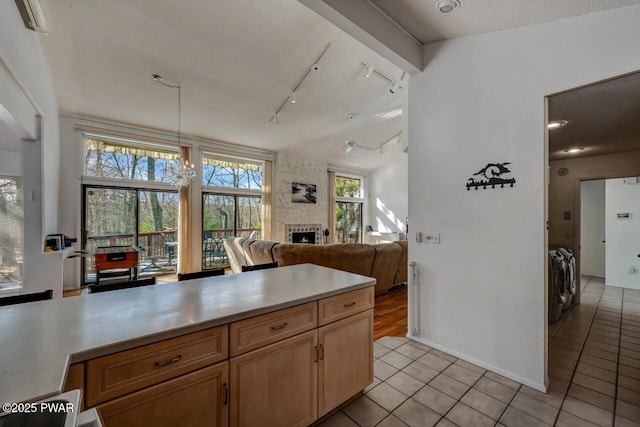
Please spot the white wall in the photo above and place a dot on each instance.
(21, 52)
(480, 100)
(388, 195)
(10, 163)
(623, 235)
(592, 228)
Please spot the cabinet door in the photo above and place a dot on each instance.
(275, 385)
(346, 360)
(197, 399)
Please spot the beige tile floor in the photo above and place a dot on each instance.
(594, 368)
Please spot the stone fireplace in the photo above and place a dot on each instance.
(304, 233)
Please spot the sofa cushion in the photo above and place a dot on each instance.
(352, 257)
(402, 273)
(233, 248)
(261, 252)
(385, 265)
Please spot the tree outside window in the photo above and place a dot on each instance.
(11, 231)
(348, 210)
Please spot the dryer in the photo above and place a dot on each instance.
(557, 290)
(571, 282)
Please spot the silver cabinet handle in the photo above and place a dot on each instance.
(168, 362)
(278, 327)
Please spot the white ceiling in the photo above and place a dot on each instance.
(238, 60)
(425, 22)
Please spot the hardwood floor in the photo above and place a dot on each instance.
(390, 314)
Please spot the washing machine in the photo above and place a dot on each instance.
(557, 289)
(571, 283)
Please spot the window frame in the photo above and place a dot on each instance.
(125, 182)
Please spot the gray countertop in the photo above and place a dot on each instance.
(38, 341)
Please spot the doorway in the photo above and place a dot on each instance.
(146, 219)
(592, 227)
(593, 134)
(609, 231)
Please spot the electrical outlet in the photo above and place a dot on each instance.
(419, 237)
(432, 237)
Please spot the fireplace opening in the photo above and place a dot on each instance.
(303, 237)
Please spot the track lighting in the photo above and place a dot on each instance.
(368, 71)
(292, 95)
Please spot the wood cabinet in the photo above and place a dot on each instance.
(259, 331)
(284, 368)
(75, 381)
(344, 305)
(198, 399)
(276, 385)
(120, 373)
(179, 381)
(294, 381)
(345, 361)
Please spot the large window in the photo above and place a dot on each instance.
(123, 159)
(348, 210)
(11, 231)
(231, 203)
(130, 213)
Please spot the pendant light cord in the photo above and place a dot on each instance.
(174, 85)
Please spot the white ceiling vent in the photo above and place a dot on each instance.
(34, 15)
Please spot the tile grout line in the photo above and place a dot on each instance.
(615, 391)
(584, 342)
(480, 391)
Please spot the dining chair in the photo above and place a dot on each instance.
(19, 299)
(259, 266)
(114, 286)
(200, 274)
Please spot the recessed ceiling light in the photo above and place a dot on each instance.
(447, 6)
(574, 150)
(556, 124)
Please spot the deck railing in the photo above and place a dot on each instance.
(157, 245)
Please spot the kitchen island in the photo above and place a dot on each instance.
(239, 331)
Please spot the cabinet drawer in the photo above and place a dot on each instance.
(340, 306)
(193, 400)
(259, 331)
(121, 373)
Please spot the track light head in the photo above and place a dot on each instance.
(368, 71)
(394, 87)
(292, 98)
